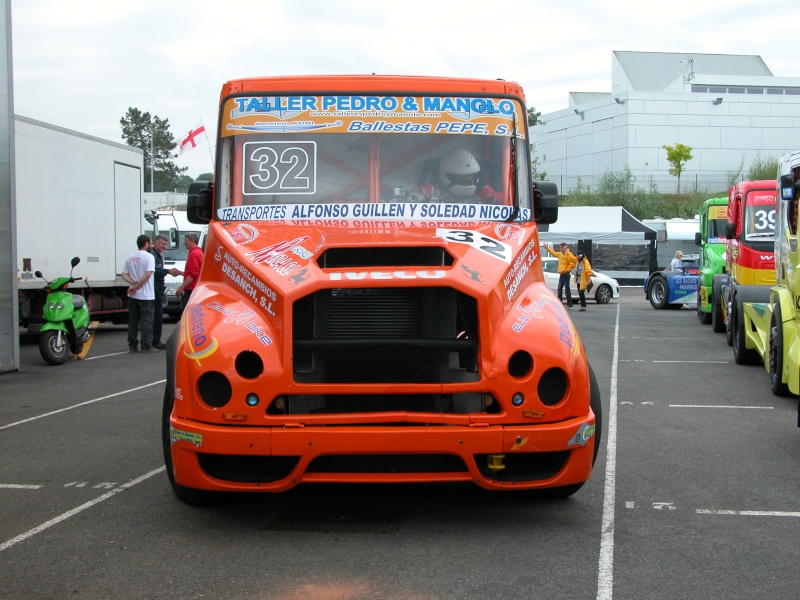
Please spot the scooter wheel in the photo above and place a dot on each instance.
(53, 352)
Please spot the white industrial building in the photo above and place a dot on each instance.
(727, 108)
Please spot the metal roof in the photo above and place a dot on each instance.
(654, 71)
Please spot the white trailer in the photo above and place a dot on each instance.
(76, 195)
(673, 235)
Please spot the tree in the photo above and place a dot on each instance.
(733, 174)
(182, 182)
(205, 177)
(536, 173)
(533, 116)
(140, 130)
(762, 168)
(677, 156)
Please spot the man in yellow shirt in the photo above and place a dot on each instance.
(566, 262)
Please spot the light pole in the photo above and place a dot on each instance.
(152, 160)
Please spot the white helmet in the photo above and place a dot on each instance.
(458, 172)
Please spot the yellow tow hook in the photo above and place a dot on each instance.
(495, 462)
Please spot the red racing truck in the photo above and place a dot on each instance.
(750, 258)
(372, 306)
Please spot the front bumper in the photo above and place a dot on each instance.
(231, 458)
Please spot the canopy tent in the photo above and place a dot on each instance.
(615, 241)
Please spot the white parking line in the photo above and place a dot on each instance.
(75, 511)
(636, 337)
(605, 570)
(60, 410)
(107, 355)
(748, 513)
(695, 362)
(19, 486)
(720, 406)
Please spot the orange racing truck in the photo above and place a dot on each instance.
(371, 306)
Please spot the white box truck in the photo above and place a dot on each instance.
(76, 195)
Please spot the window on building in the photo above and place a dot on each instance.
(775, 91)
(736, 90)
(792, 91)
(715, 89)
(755, 91)
(702, 89)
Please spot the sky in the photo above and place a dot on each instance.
(80, 64)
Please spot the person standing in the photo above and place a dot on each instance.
(583, 277)
(159, 245)
(677, 263)
(566, 262)
(191, 272)
(138, 271)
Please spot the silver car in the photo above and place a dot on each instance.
(605, 287)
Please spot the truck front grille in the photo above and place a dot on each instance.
(385, 335)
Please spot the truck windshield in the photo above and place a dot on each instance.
(759, 222)
(717, 220)
(338, 162)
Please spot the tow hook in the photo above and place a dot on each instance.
(495, 462)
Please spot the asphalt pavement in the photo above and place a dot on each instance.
(694, 494)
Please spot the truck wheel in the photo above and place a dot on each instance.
(741, 354)
(53, 352)
(595, 401)
(658, 294)
(703, 317)
(729, 327)
(603, 294)
(776, 354)
(717, 320)
(191, 496)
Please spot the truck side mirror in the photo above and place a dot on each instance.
(199, 202)
(788, 187)
(697, 238)
(173, 237)
(730, 230)
(545, 202)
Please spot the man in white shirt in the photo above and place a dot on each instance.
(138, 271)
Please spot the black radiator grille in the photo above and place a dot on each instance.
(385, 335)
(385, 256)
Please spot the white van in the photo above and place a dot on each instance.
(175, 225)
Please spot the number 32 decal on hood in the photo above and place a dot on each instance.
(479, 241)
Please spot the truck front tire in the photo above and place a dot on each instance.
(741, 354)
(717, 318)
(191, 496)
(776, 354)
(595, 401)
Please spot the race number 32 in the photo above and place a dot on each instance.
(279, 168)
(477, 240)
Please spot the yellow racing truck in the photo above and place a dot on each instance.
(771, 328)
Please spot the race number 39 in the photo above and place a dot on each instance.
(477, 240)
(279, 168)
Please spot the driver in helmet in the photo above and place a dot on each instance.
(459, 178)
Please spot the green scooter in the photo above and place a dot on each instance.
(66, 319)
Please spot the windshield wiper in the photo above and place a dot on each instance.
(513, 153)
